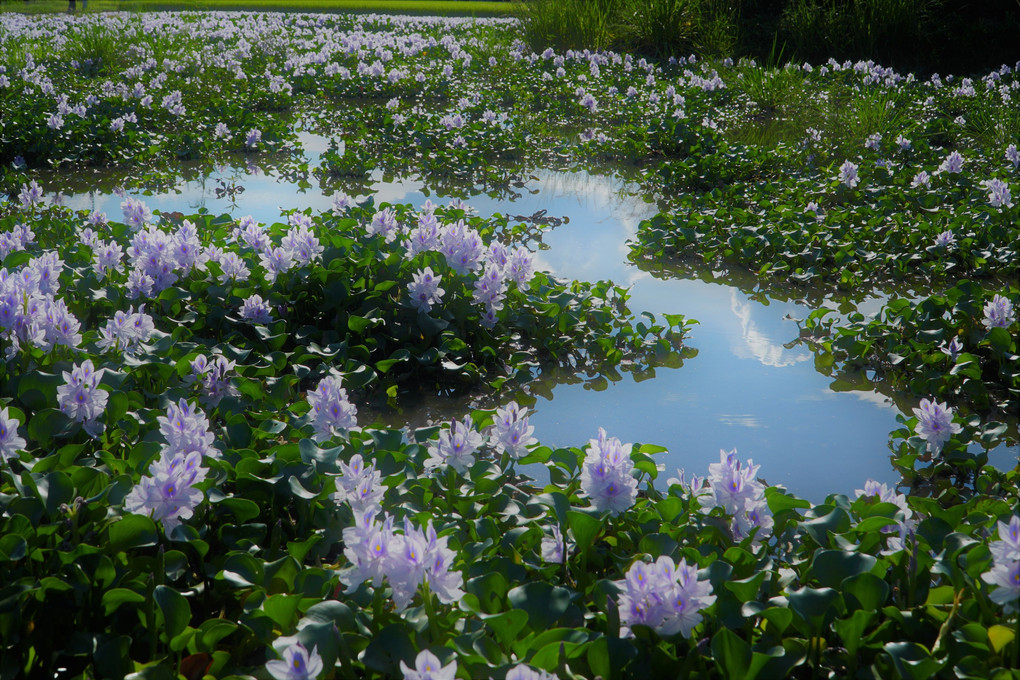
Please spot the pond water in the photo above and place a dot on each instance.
(748, 387)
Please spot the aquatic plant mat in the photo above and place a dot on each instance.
(211, 462)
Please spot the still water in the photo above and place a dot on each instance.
(748, 387)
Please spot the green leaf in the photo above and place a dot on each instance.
(175, 608)
(584, 527)
(868, 591)
(731, 654)
(490, 589)
(831, 567)
(1000, 636)
(814, 606)
(282, 609)
(544, 603)
(115, 597)
(912, 661)
(506, 625)
(133, 531)
(836, 521)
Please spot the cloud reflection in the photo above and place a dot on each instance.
(757, 345)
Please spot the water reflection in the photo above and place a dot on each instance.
(750, 385)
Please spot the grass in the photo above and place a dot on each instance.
(443, 7)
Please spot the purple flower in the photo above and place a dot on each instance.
(136, 213)
(428, 667)
(297, 664)
(331, 409)
(80, 397)
(1012, 155)
(167, 494)
(921, 179)
(945, 240)
(1007, 548)
(359, 486)
(510, 431)
(213, 378)
(935, 424)
(424, 289)
(848, 174)
(383, 222)
(953, 348)
(664, 596)
(10, 442)
(607, 475)
(553, 548)
(276, 261)
(1005, 576)
(252, 138)
(186, 429)
(524, 672)
(953, 164)
(999, 313)
(31, 194)
(998, 193)
(456, 446)
(255, 310)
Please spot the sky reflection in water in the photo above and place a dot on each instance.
(743, 390)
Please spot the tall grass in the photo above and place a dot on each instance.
(653, 27)
(883, 30)
(568, 24)
(98, 49)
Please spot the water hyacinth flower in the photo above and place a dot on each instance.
(905, 526)
(255, 310)
(953, 164)
(186, 429)
(921, 179)
(424, 289)
(1013, 155)
(331, 410)
(126, 331)
(406, 561)
(213, 379)
(848, 174)
(1005, 572)
(81, 399)
(297, 664)
(935, 425)
(252, 138)
(553, 549)
(525, 672)
(106, 257)
(510, 431)
(953, 348)
(664, 596)
(607, 475)
(734, 487)
(428, 667)
(10, 442)
(359, 486)
(998, 193)
(31, 194)
(168, 494)
(276, 261)
(999, 313)
(945, 240)
(136, 213)
(456, 446)
(384, 223)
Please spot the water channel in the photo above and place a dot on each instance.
(748, 386)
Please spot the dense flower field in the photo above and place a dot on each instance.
(187, 486)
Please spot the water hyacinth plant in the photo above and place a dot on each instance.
(194, 476)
